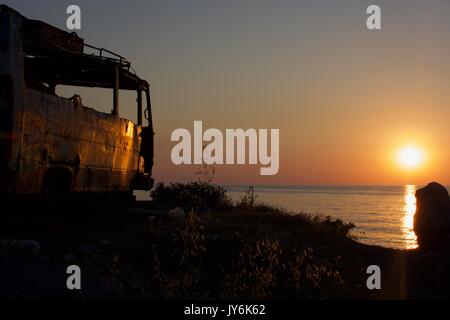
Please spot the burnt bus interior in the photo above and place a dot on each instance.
(53, 57)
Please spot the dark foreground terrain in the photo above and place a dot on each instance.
(245, 251)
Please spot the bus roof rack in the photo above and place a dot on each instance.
(114, 57)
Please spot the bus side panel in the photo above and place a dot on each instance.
(34, 128)
(126, 156)
(100, 150)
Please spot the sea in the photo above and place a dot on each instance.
(383, 215)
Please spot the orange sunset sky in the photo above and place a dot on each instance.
(345, 99)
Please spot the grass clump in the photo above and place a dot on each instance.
(223, 256)
(248, 250)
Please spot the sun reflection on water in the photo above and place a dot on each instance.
(409, 209)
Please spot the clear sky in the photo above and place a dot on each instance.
(344, 98)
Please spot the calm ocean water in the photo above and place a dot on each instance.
(383, 215)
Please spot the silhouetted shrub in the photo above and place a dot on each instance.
(200, 196)
(249, 265)
(248, 200)
(249, 251)
(340, 227)
(254, 271)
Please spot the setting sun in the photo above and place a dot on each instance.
(410, 157)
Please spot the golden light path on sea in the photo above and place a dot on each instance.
(409, 209)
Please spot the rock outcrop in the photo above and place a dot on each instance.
(432, 218)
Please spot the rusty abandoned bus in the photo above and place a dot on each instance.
(51, 144)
